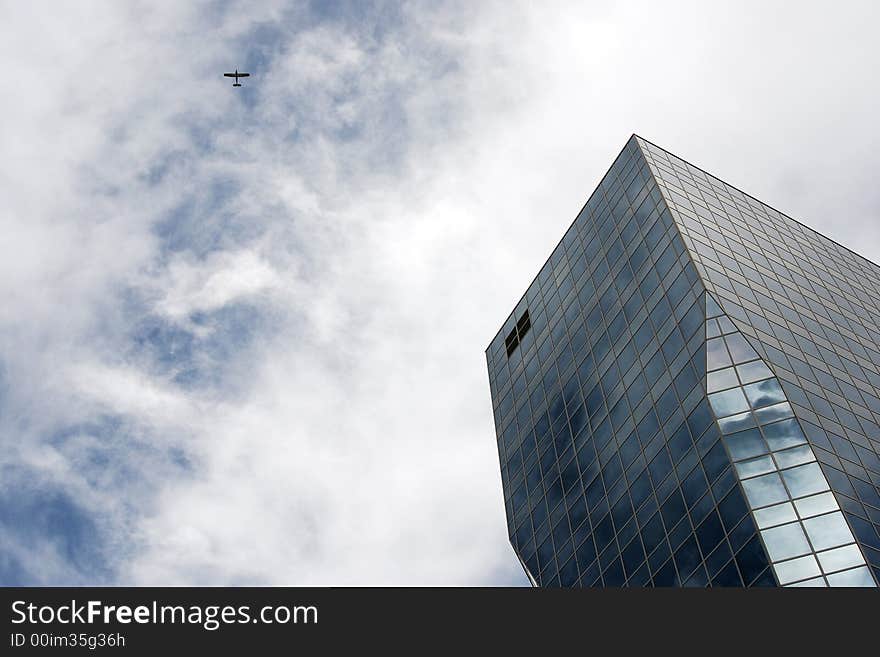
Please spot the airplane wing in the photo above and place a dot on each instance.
(230, 75)
(244, 75)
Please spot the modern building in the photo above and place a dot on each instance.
(688, 394)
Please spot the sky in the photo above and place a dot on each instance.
(242, 330)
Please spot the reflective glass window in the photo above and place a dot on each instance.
(775, 515)
(828, 531)
(770, 414)
(818, 582)
(855, 577)
(794, 456)
(736, 423)
(712, 330)
(765, 490)
(754, 467)
(815, 505)
(712, 307)
(783, 434)
(753, 371)
(796, 569)
(764, 393)
(840, 558)
(805, 480)
(740, 350)
(721, 379)
(785, 541)
(745, 444)
(716, 354)
(728, 402)
(725, 324)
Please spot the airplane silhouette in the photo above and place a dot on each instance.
(236, 75)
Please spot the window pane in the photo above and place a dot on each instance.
(736, 423)
(716, 354)
(818, 582)
(855, 577)
(783, 434)
(712, 330)
(805, 480)
(728, 402)
(775, 515)
(841, 558)
(712, 307)
(759, 466)
(740, 350)
(765, 490)
(721, 379)
(764, 393)
(726, 325)
(813, 506)
(745, 444)
(790, 571)
(794, 456)
(754, 371)
(785, 542)
(773, 413)
(828, 531)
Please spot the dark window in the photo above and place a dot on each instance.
(511, 342)
(518, 333)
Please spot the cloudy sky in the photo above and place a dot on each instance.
(242, 330)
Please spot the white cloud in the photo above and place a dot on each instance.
(188, 287)
(389, 188)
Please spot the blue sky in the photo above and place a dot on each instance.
(242, 331)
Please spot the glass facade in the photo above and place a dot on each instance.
(687, 394)
(801, 525)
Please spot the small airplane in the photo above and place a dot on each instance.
(236, 75)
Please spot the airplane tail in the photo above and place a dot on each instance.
(236, 85)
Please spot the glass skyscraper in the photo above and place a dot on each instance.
(688, 394)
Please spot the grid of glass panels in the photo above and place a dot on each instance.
(800, 522)
(612, 465)
(810, 308)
